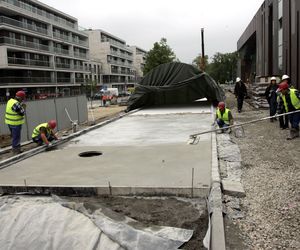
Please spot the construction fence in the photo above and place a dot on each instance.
(40, 111)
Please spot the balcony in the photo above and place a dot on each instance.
(26, 44)
(80, 55)
(80, 42)
(62, 51)
(18, 80)
(63, 66)
(62, 37)
(18, 24)
(40, 12)
(28, 62)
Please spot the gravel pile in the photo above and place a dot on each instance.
(271, 179)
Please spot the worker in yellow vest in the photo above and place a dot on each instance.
(291, 102)
(15, 118)
(43, 133)
(223, 116)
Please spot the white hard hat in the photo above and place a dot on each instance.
(284, 77)
(273, 78)
(238, 79)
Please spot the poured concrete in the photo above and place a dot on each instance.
(143, 152)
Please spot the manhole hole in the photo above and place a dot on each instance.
(90, 154)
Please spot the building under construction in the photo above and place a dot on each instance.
(270, 44)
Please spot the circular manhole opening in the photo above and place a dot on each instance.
(90, 153)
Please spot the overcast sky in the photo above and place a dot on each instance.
(142, 23)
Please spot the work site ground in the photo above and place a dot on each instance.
(268, 216)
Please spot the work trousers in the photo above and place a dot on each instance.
(294, 120)
(15, 132)
(240, 100)
(39, 141)
(284, 121)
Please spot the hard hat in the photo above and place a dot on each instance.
(238, 79)
(273, 78)
(52, 124)
(284, 77)
(221, 105)
(282, 86)
(21, 94)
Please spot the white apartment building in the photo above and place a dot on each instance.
(41, 49)
(117, 59)
(139, 59)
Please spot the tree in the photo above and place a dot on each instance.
(222, 66)
(159, 54)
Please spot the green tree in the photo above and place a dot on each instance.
(223, 67)
(159, 54)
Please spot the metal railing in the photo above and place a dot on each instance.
(28, 62)
(18, 80)
(16, 23)
(62, 51)
(80, 55)
(63, 65)
(22, 43)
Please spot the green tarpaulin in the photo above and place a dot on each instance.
(174, 83)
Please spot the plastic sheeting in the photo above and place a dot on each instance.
(175, 83)
(47, 223)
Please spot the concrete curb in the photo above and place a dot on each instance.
(217, 240)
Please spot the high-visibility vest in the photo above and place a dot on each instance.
(294, 99)
(12, 117)
(224, 116)
(36, 131)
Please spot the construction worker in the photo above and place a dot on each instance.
(271, 97)
(43, 133)
(223, 116)
(291, 102)
(240, 91)
(15, 118)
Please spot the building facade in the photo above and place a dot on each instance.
(139, 59)
(270, 45)
(41, 49)
(116, 57)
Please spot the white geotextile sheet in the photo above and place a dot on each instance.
(50, 223)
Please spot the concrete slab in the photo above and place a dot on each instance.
(233, 188)
(142, 152)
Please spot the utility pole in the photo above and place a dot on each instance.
(202, 60)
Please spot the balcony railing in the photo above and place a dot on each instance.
(13, 22)
(18, 80)
(62, 37)
(26, 44)
(62, 51)
(40, 12)
(64, 80)
(63, 66)
(80, 55)
(28, 62)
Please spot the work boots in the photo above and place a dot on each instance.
(294, 132)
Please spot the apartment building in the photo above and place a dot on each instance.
(139, 59)
(42, 50)
(116, 58)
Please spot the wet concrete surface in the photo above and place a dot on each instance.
(144, 150)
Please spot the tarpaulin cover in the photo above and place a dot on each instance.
(52, 223)
(174, 83)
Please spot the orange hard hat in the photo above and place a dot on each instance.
(52, 124)
(21, 94)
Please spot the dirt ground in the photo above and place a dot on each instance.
(182, 213)
(271, 179)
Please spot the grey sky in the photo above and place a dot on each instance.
(142, 23)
